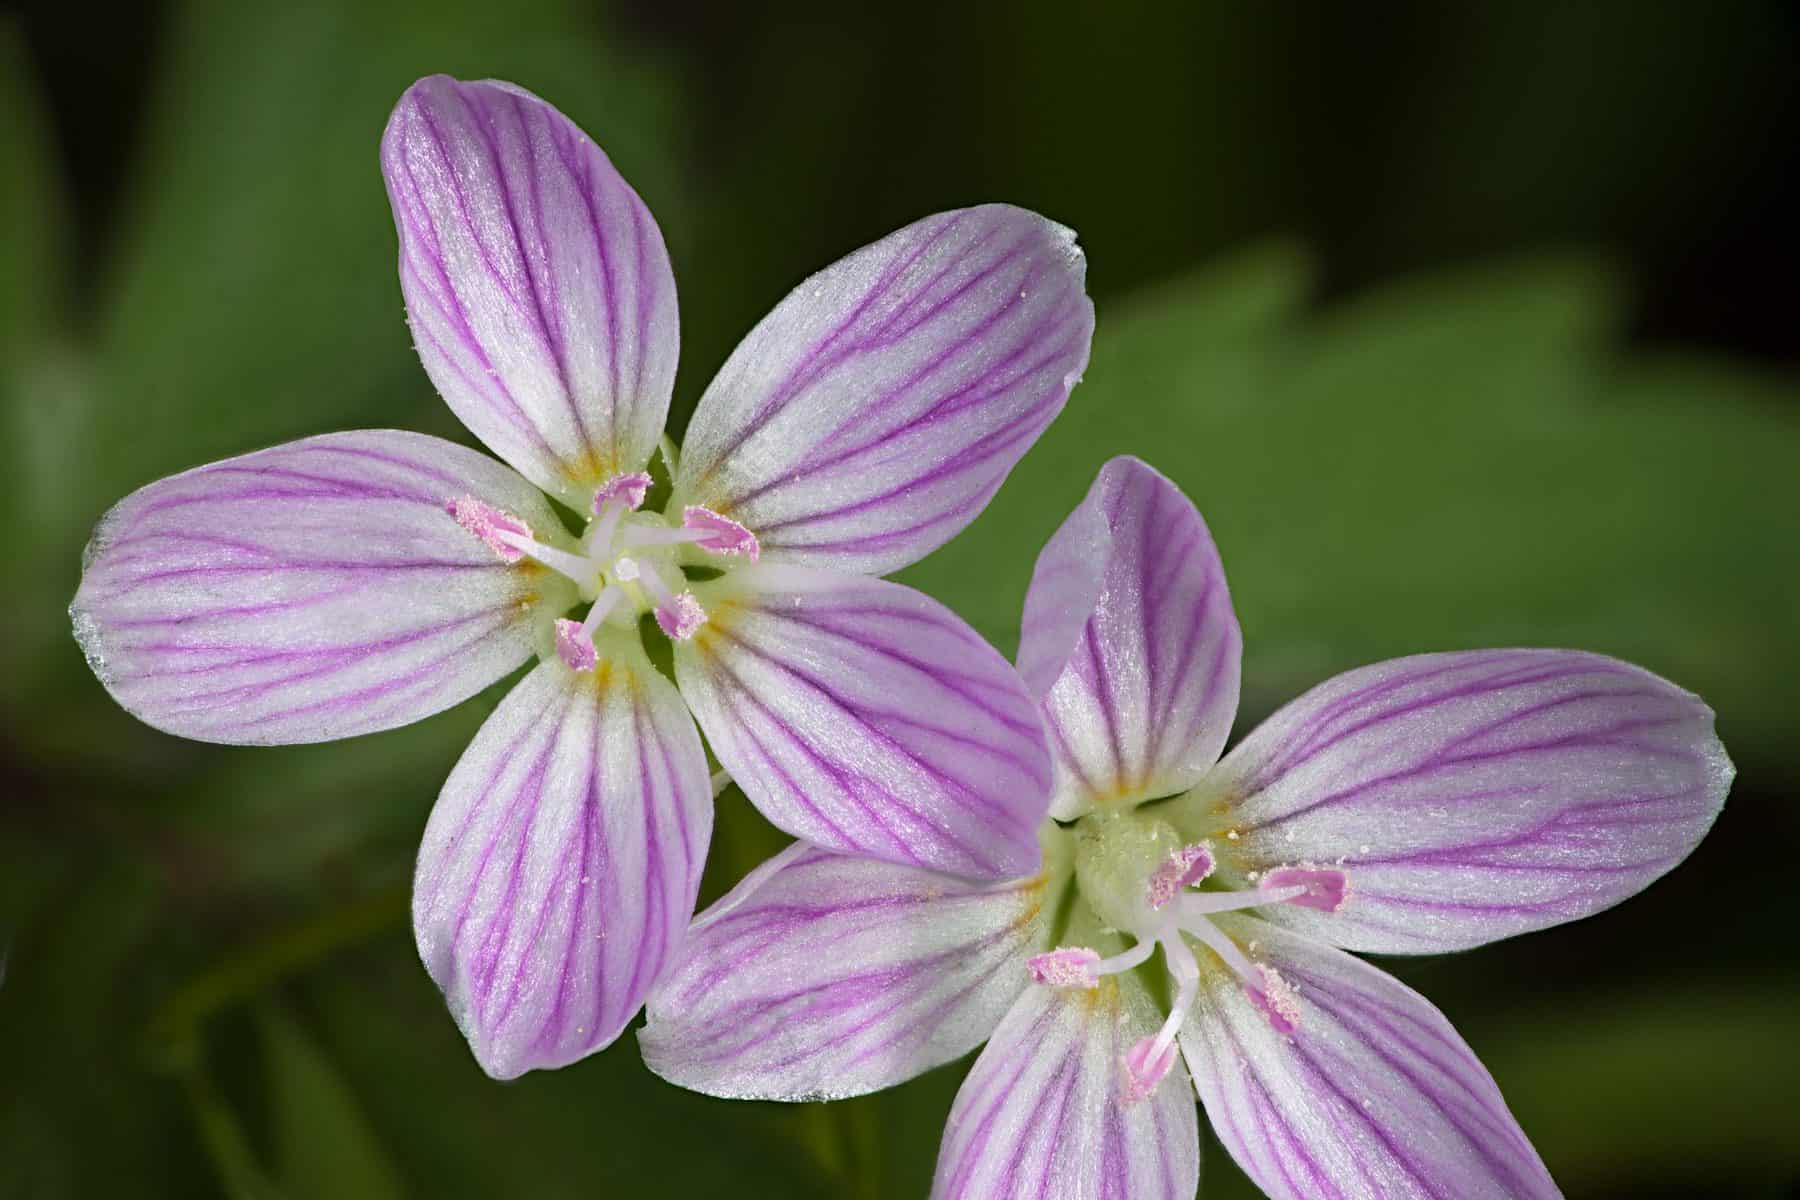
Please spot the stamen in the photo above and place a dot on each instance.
(574, 646)
(575, 642)
(1186, 866)
(679, 616)
(1150, 1058)
(1065, 967)
(487, 523)
(721, 534)
(1277, 1000)
(510, 538)
(1145, 1066)
(1273, 996)
(1078, 966)
(1200, 904)
(627, 491)
(1323, 888)
(653, 535)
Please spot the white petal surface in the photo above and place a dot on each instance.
(559, 869)
(1042, 1114)
(1473, 796)
(872, 414)
(1374, 1094)
(310, 591)
(831, 976)
(537, 285)
(867, 718)
(1130, 636)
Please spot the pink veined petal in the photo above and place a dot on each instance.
(874, 412)
(1472, 796)
(1130, 637)
(1043, 1114)
(540, 295)
(560, 865)
(866, 717)
(832, 976)
(310, 591)
(1373, 1094)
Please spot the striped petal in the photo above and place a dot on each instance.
(1130, 636)
(539, 292)
(1371, 1094)
(872, 414)
(1473, 796)
(1043, 1116)
(824, 976)
(865, 717)
(310, 591)
(560, 865)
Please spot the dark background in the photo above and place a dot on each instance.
(1464, 325)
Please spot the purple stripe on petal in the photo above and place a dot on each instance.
(874, 412)
(829, 975)
(1043, 1114)
(1373, 1094)
(1130, 637)
(310, 591)
(867, 718)
(537, 285)
(1473, 796)
(561, 862)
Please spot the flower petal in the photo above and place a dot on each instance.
(560, 865)
(1372, 1094)
(1472, 796)
(1130, 636)
(866, 717)
(831, 976)
(539, 292)
(1043, 1112)
(311, 591)
(871, 415)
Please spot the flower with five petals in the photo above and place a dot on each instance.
(354, 582)
(1420, 805)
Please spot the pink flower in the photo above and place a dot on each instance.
(1420, 805)
(354, 582)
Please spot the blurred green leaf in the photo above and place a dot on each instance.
(324, 1147)
(604, 1126)
(1694, 1084)
(1455, 461)
(32, 272)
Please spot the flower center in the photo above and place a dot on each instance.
(629, 562)
(1134, 872)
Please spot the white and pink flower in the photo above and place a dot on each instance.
(354, 582)
(1421, 805)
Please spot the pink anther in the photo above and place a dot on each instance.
(1146, 1063)
(723, 535)
(1184, 868)
(1276, 999)
(489, 524)
(681, 617)
(1065, 967)
(628, 490)
(1326, 887)
(574, 646)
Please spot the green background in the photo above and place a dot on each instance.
(1463, 325)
